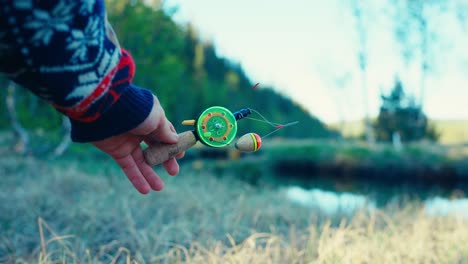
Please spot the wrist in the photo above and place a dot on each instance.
(132, 108)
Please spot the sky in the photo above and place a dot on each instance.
(307, 50)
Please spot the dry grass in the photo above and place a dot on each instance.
(406, 237)
(85, 211)
(422, 240)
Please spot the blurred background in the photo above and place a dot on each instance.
(375, 170)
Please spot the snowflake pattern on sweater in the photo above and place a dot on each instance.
(66, 52)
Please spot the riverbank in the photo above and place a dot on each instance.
(419, 164)
(303, 160)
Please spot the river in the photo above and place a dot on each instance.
(345, 197)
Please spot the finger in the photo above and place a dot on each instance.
(165, 133)
(150, 175)
(180, 155)
(130, 168)
(171, 166)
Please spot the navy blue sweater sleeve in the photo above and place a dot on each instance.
(66, 52)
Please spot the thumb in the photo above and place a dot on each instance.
(156, 128)
(165, 133)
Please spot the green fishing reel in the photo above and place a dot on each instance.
(215, 127)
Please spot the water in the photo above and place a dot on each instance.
(330, 203)
(345, 197)
(443, 206)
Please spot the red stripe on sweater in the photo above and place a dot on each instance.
(77, 111)
(80, 109)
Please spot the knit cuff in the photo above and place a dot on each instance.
(131, 109)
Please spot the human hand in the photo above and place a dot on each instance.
(126, 150)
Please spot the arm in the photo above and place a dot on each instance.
(67, 53)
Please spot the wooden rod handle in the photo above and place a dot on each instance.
(159, 153)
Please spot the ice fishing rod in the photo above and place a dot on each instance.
(215, 127)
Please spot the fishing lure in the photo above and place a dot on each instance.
(215, 127)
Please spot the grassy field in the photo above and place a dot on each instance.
(451, 131)
(84, 211)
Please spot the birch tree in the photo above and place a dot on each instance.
(361, 25)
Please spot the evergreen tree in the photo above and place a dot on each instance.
(400, 114)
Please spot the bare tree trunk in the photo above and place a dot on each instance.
(361, 29)
(340, 112)
(369, 131)
(65, 143)
(21, 138)
(396, 141)
(424, 64)
(424, 56)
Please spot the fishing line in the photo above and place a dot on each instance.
(263, 119)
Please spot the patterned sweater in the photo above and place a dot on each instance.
(65, 52)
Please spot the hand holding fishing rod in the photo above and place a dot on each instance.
(215, 127)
